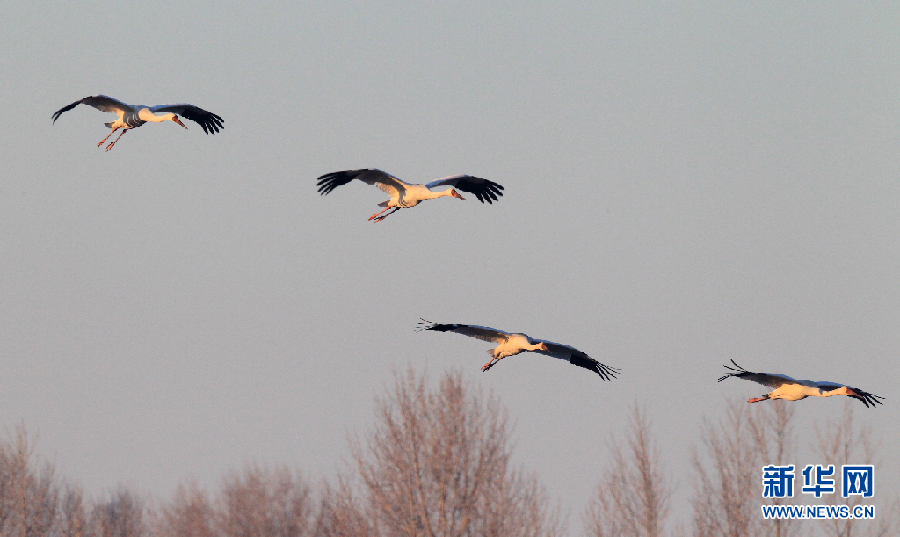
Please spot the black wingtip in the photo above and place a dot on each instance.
(606, 372)
(867, 398)
(330, 181)
(65, 109)
(208, 121)
(428, 325)
(484, 190)
(491, 192)
(738, 370)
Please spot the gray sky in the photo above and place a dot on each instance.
(686, 183)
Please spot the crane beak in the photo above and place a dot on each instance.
(455, 194)
(176, 120)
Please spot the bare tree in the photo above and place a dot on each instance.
(841, 443)
(190, 514)
(73, 517)
(438, 464)
(342, 514)
(632, 499)
(259, 502)
(728, 485)
(254, 502)
(770, 428)
(28, 496)
(120, 516)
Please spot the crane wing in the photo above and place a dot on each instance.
(100, 102)
(576, 357)
(211, 123)
(386, 182)
(772, 380)
(483, 333)
(483, 189)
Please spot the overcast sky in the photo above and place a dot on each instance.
(686, 183)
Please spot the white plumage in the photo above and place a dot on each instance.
(791, 389)
(133, 116)
(404, 195)
(509, 344)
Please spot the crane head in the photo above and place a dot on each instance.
(544, 347)
(455, 194)
(176, 120)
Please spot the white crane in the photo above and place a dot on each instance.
(404, 195)
(511, 344)
(790, 389)
(133, 116)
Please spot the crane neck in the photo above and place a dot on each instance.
(434, 195)
(842, 390)
(146, 115)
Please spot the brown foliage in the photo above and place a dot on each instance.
(121, 516)
(632, 499)
(842, 442)
(727, 493)
(28, 498)
(342, 513)
(261, 503)
(190, 514)
(32, 502)
(254, 502)
(438, 464)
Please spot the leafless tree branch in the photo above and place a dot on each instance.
(632, 499)
(438, 464)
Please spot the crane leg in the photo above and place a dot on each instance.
(116, 140)
(107, 137)
(376, 214)
(380, 218)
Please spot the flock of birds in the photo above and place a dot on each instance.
(404, 195)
